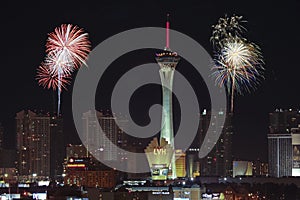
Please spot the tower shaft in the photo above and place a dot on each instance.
(167, 132)
(166, 76)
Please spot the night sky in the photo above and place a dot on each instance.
(273, 26)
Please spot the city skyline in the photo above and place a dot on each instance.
(37, 140)
(150, 100)
(251, 114)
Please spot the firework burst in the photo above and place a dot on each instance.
(238, 62)
(67, 49)
(70, 44)
(226, 28)
(57, 65)
(49, 80)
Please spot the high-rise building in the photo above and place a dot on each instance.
(167, 60)
(226, 137)
(280, 154)
(280, 150)
(219, 161)
(180, 163)
(57, 147)
(91, 132)
(106, 148)
(111, 130)
(33, 144)
(94, 122)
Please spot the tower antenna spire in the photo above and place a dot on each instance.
(167, 32)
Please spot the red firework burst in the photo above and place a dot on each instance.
(69, 43)
(48, 80)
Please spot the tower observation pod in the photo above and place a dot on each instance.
(167, 60)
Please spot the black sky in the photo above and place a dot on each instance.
(274, 26)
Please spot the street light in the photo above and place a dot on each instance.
(34, 175)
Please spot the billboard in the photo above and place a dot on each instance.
(10, 196)
(159, 173)
(219, 196)
(40, 196)
(296, 160)
(242, 168)
(296, 156)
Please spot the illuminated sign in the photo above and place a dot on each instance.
(43, 183)
(159, 151)
(159, 192)
(23, 185)
(159, 166)
(75, 165)
(4, 185)
(213, 196)
(42, 196)
(10, 196)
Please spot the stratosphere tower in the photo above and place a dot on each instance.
(167, 60)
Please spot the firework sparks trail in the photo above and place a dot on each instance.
(238, 62)
(67, 49)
